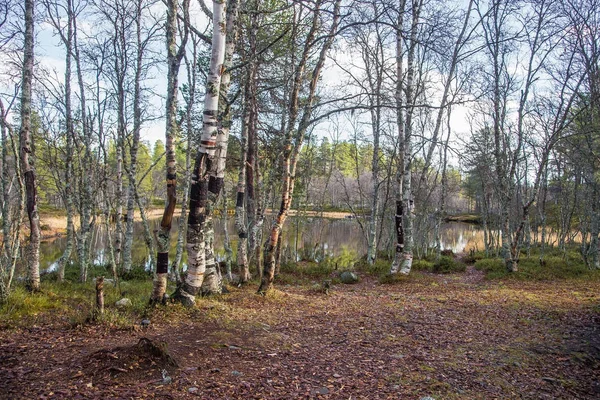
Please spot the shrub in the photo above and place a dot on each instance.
(448, 265)
(473, 257)
(137, 273)
(422, 265)
(447, 253)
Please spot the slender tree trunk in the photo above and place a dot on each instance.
(85, 199)
(406, 193)
(294, 140)
(10, 225)
(135, 142)
(212, 283)
(400, 123)
(227, 242)
(441, 214)
(240, 216)
(197, 221)
(68, 191)
(174, 57)
(26, 152)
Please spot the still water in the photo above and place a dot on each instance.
(316, 237)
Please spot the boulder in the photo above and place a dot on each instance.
(348, 277)
(123, 303)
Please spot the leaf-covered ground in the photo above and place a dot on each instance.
(454, 336)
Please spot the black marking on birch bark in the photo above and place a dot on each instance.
(239, 201)
(195, 191)
(162, 263)
(215, 185)
(282, 207)
(212, 185)
(195, 218)
(243, 235)
(203, 193)
(31, 190)
(171, 176)
(210, 113)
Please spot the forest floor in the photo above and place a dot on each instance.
(445, 336)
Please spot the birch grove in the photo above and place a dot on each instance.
(399, 115)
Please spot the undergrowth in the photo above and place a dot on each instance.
(73, 303)
(530, 268)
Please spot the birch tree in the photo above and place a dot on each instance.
(199, 197)
(298, 122)
(403, 217)
(174, 58)
(26, 151)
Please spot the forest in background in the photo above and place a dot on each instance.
(330, 104)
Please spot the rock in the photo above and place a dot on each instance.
(123, 303)
(322, 390)
(427, 398)
(236, 373)
(145, 322)
(348, 277)
(193, 390)
(166, 378)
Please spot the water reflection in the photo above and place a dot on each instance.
(312, 238)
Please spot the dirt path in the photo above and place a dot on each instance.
(453, 336)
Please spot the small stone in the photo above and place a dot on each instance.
(234, 347)
(427, 398)
(337, 376)
(323, 390)
(215, 370)
(348, 277)
(123, 303)
(236, 373)
(166, 378)
(145, 322)
(193, 390)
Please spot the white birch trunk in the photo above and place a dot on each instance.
(197, 219)
(26, 151)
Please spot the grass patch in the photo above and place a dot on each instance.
(73, 303)
(448, 265)
(473, 257)
(422, 265)
(380, 267)
(392, 279)
(530, 269)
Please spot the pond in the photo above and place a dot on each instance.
(313, 237)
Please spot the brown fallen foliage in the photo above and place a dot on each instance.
(452, 336)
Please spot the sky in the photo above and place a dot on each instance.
(50, 54)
